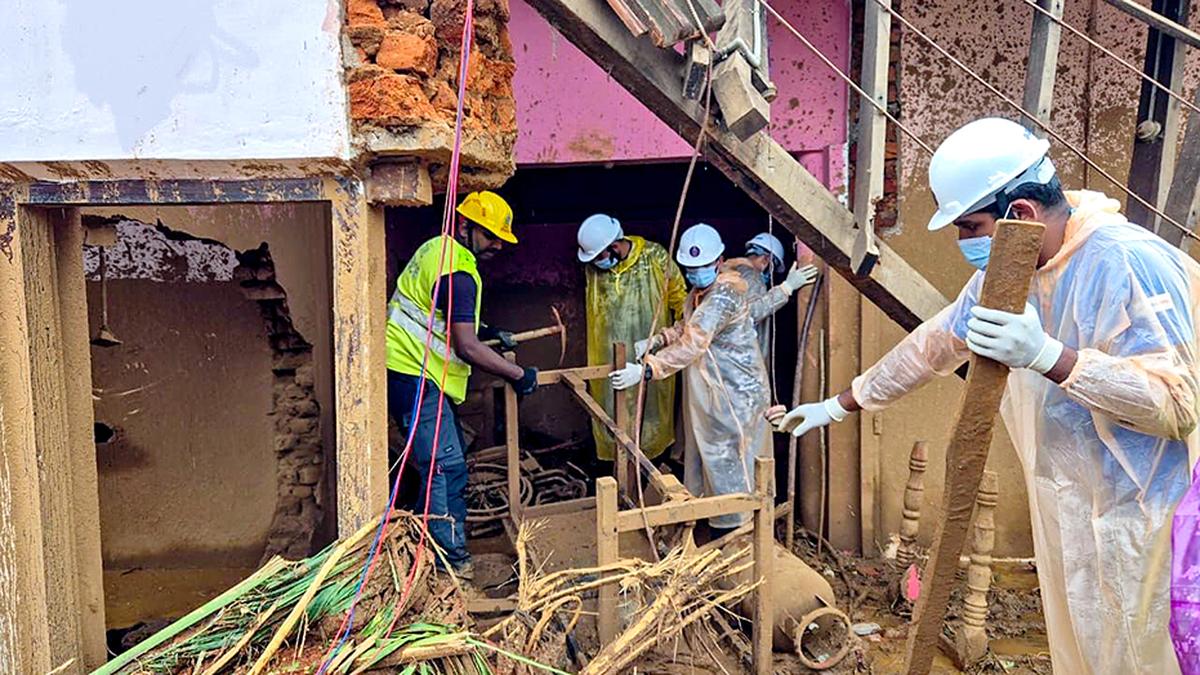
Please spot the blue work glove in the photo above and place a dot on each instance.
(528, 383)
(1016, 340)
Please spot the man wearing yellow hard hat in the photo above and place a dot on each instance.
(415, 349)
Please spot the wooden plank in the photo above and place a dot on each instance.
(621, 412)
(872, 134)
(25, 640)
(583, 373)
(134, 192)
(685, 510)
(743, 108)
(399, 182)
(760, 166)
(870, 431)
(1182, 199)
(1158, 21)
(1014, 254)
(1041, 69)
(80, 411)
(50, 435)
(764, 566)
(557, 508)
(512, 444)
(843, 501)
(607, 552)
(1152, 163)
(359, 354)
(695, 76)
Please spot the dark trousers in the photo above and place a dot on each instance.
(447, 498)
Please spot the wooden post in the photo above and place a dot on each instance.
(1158, 21)
(359, 353)
(872, 129)
(1152, 164)
(1042, 67)
(970, 640)
(80, 411)
(512, 445)
(1015, 251)
(51, 433)
(1182, 203)
(25, 639)
(621, 416)
(914, 494)
(764, 566)
(606, 552)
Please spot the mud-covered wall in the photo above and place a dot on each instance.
(401, 62)
(1095, 105)
(295, 262)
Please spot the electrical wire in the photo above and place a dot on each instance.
(1109, 53)
(1033, 118)
(447, 231)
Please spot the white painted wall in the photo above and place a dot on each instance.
(171, 79)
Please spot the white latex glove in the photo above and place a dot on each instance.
(798, 277)
(809, 416)
(639, 349)
(627, 377)
(1016, 340)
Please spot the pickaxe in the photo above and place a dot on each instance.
(557, 329)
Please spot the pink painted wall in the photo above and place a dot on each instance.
(568, 110)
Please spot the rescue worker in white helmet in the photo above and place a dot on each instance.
(761, 266)
(442, 278)
(1102, 400)
(629, 279)
(726, 392)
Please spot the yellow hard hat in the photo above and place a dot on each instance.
(489, 211)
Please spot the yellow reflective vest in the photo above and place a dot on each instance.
(408, 316)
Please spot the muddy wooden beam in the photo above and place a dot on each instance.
(80, 411)
(686, 510)
(1006, 287)
(872, 130)
(135, 192)
(25, 640)
(1042, 68)
(1182, 202)
(764, 566)
(512, 445)
(607, 552)
(359, 361)
(759, 166)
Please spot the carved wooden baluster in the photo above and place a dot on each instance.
(979, 573)
(914, 492)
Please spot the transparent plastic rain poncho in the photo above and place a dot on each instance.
(620, 308)
(764, 302)
(1105, 454)
(725, 391)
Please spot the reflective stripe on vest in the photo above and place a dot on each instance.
(403, 312)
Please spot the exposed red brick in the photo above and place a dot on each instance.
(390, 100)
(364, 13)
(447, 17)
(366, 37)
(407, 52)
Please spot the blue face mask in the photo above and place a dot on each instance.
(607, 263)
(976, 250)
(701, 277)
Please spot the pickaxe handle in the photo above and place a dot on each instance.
(528, 335)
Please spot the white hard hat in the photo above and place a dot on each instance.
(597, 233)
(768, 242)
(700, 245)
(980, 160)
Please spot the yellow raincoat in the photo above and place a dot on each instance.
(620, 308)
(1105, 454)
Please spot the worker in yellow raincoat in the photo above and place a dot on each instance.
(1102, 401)
(628, 280)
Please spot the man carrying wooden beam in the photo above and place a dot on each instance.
(726, 389)
(432, 342)
(632, 287)
(1102, 402)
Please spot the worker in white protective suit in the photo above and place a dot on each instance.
(760, 268)
(726, 392)
(1101, 403)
